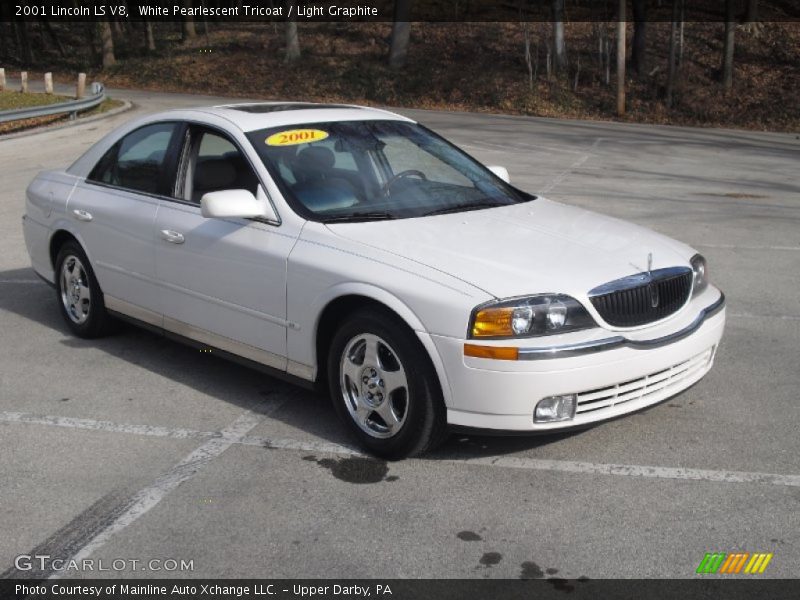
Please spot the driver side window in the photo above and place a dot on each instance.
(215, 163)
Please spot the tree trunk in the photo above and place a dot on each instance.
(26, 48)
(401, 33)
(188, 30)
(53, 37)
(559, 44)
(751, 16)
(639, 46)
(151, 40)
(292, 43)
(621, 60)
(107, 41)
(728, 46)
(673, 52)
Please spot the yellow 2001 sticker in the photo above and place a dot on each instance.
(296, 136)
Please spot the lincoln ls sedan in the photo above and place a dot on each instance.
(355, 251)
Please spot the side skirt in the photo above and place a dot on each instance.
(152, 325)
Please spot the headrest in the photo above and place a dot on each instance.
(316, 158)
(215, 174)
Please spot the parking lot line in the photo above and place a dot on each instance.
(228, 437)
(746, 247)
(147, 498)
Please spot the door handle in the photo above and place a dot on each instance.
(82, 215)
(173, 237)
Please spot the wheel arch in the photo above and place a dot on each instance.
(58, 239)
(338, 306)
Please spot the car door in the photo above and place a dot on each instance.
(223, 280)
(114, 212)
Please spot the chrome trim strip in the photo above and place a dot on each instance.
(133, 310)
(204, 336)
(618, 341)
(224, 343)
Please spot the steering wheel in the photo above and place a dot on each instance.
(402, 174)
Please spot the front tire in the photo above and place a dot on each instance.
(384, 387)
(80, 299)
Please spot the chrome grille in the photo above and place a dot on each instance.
(675, 376)
(643, 298)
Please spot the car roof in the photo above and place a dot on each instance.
(261, 115)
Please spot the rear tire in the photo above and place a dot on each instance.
(384, 387)
(80, 299)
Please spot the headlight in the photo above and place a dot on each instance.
(700, 274)
(527, 317)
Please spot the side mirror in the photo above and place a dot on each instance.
(238, 204)
(501, 172)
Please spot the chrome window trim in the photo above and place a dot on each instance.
(619, 341)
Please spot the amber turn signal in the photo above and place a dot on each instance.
(495, 352)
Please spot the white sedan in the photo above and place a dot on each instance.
(354, 249)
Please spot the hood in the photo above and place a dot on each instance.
(530, 248)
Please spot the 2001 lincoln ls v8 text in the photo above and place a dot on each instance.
(355, 249)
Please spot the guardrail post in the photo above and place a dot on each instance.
(23, 82)
(2, 79)
(80, 90)
(48, 83)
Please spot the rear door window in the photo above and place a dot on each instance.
(139, 161)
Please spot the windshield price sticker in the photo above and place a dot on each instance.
(296, 136)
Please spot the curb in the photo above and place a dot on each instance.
(126, 105)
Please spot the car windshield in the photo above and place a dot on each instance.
(371, 170)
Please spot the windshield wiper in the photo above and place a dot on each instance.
(464, 206)
(360, 216)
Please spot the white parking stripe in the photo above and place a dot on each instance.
(738, 315)
(237, 435)
(567, 466)
(21, 281)
(150, 496)
(560, 177)
(746, 247)
(17, 417)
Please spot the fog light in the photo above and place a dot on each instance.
(555, 408)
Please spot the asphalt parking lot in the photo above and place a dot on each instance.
(134, 447)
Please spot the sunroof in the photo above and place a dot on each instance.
(269, 108)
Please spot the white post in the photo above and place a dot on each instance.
(48, 83)
(81, 89)
(2, 79)
(23, 79)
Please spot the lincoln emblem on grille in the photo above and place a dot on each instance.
(652, 292)
(652, 288)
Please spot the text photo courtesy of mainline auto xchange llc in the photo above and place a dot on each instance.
(374, 299)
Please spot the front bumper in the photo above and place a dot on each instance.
(611, 376)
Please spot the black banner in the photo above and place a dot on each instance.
(384, 10)
(396, 589)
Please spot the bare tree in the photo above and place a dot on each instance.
(728, 46)
(559, 44)
(188, 30)
(621, 59)
(528, 59)
(150, 39)
(401, 33)
(22, 32)
(53, 37)
(639, 45)
(107, 42)
(751, 15)
(673, 53)
(292, 43)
